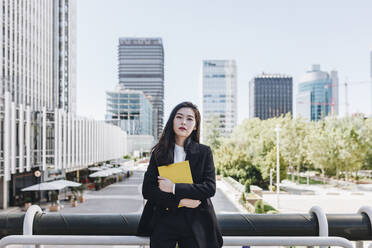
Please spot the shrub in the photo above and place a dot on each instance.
(262, 208)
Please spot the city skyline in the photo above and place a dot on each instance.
(286, 41)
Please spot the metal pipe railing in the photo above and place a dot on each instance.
(133, 240)
(350, 226)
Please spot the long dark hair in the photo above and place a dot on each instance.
(164, 148)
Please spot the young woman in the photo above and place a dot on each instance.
(195, 224)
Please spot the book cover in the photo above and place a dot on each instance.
(177, 172)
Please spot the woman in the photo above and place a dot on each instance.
(195, 224)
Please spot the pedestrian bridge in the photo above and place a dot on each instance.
(312, 229)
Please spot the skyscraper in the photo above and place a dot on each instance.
(270, 95)
(219, 95)
(141, 67)
(323, 88)
(37, 53)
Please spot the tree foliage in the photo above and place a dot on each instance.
(332, 145)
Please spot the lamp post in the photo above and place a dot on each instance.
(277, 129)
(271, 179)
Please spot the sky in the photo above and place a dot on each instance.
(271, 36)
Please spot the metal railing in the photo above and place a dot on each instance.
(133, 240)
(322, 240)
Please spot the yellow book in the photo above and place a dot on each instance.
(177, 172)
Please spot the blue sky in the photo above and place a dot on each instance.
(272, 36)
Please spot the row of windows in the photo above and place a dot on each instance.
(210, 95)
(123, 106)
(121, 95)
(141, 75)
(115, 112)
(126, 101)
(219, 76)
(136, 47)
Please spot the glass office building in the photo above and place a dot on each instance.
(130, 110)
(323, 88)
(219, 94)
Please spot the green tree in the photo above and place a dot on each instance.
(212, 132)
(292, 145)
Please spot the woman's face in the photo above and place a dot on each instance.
(184, 122)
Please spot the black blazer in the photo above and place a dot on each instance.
(202, 219)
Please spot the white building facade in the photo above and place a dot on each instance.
(219, 95)
(38, 126)
(38, 61)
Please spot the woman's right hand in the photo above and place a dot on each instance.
(190, 203)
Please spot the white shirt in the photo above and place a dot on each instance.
(179, 156)
(179, 153)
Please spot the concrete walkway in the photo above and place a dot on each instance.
(300, 198)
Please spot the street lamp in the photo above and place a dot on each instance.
(271, 179)
(277, 129)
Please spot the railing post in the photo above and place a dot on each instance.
(322, 221)
(368, 211)
(28, 222)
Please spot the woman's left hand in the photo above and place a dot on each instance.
(165, 184)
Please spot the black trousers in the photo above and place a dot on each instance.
(173, 228)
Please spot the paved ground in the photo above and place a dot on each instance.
(330, 199)
(126, 197)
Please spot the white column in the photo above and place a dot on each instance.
(69, 140)
(83, 142)
(78, 133)
(73, 144)
(21, 140)
(97, 141)
(64, 162)
(28, 138)
(7, 138)
(90, 141)
(56, 137)
(13, 138)
(86, 150)
(94, 141)
(100, 141)
(86, 142)
(60, 122)
(103, 141)
(81, 151)
(44, 138)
